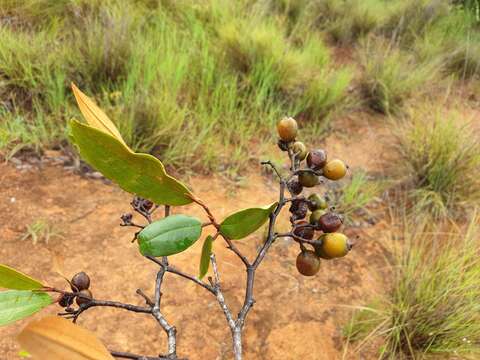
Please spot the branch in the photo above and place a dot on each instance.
(125, 355)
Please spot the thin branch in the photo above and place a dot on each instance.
(272, 165)
(126, 355)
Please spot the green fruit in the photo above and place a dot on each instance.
(334, 245)
(287, 129)
(308, 263)
(315, 216)
(317, 159)
(316, 202)
(300, 150)
(335, 169)
(307, 179)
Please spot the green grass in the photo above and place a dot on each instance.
(440, 158)
(181, 81)
(432, 307)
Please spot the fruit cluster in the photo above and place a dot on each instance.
(330, 243)
(79, 284)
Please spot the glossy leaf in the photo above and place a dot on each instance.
(14, 279)
(245, 222)
(205, 257)
(137, 173)
(95, 116)
(19, 304)
(169, 236)
(55, 338)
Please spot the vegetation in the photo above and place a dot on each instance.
(433, 306)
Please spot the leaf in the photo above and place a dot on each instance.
(13, 279)
(169, 236)
(55, 338)
(95, 117)
(245, 222)
(18, 304)
(205, 257)
(140, 174)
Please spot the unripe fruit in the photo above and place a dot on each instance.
(294, 187)
(316, 202)
(287, 129)
(330, 222)
(308, 263)
(299, 208)
(86, 297)
(315, 216)
(316, 159)
(334, 245)
(80, 281)
(303, 230)
(307, 179)
(300, 150)
(283, 145)
(335, 169)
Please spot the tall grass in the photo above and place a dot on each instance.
(432, 307)
(440, 155)
(182, 81)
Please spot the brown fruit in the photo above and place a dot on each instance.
(308, 263)
(334, 245)
(287, 129)
(299, 208)
(315, 216)
(294, 187)
(304, 230)
(307, 179)
(316, 202)
(84, 297)
(283, 145)
(335, 169)
(300, 150)
(80, 281)
(316, 159)
(330, 222)
(66, 300)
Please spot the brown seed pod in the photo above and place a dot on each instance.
(316, 159)
(84, 297)
(330, 222)
(80, 281)
(294, 187)
(308, 263)
(304, 230)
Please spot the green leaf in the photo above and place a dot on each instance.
(245, 222)
(169, 236)
(205, 257)
(137, 173)
(18, 304)
(13, 279)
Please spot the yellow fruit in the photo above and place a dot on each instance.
(335, 169)
(334, 245)
(287, 129)
(300, 150)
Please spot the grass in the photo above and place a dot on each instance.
(432, 308)
(440, 155)
(40, 230)
(174, 71)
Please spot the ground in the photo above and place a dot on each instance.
(294, 317)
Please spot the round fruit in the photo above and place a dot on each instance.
(315, 216)
(299, 208)
(294, 187)
(84, 297)
(287, 129)
(335, 169)
(330, 222)
(66, 300)
(334, 245)
(300, 150)
(307, 179)
(80, 281)
(304, 230)
(308, 263)
(316, 202)
(316, 159)
(283, 145)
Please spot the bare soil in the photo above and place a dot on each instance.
(294, 317)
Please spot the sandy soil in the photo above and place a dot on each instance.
(294, 317)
